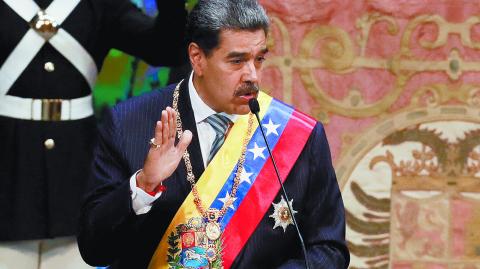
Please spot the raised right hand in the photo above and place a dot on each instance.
(162, 161)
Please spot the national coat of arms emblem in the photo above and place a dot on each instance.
(189, 247)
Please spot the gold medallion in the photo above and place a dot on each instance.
(213, 231)
(211, 253)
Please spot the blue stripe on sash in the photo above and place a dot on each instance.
(277, 113)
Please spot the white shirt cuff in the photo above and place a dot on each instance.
(141, 201)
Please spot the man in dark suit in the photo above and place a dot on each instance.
(201, 193)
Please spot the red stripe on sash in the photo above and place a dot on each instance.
(260, 196)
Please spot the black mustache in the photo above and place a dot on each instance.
(247, 88)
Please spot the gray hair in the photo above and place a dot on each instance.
(209, 17)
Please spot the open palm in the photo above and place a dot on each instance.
(164, 156)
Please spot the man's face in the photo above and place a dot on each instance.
(229, 76)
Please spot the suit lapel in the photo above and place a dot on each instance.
(188, 122)
(179, 187)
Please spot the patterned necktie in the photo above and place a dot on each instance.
(220, 124)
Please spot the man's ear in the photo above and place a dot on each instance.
(197, 58)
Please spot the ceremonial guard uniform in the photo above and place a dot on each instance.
(50, 54)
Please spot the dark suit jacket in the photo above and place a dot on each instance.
(112, 234)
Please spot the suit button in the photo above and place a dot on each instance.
(49, 67)
(49, 144)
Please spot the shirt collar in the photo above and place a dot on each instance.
(201, 111)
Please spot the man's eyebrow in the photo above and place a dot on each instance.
(238, 54)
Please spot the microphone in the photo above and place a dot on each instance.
(255, 108)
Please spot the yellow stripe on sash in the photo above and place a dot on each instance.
(212, 179)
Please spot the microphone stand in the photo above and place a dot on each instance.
(255, 108)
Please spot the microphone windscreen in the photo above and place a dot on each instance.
(254, 106)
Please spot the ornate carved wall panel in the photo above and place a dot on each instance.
(397, 85)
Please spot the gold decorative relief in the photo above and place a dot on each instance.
(365, 23)
(401, 198)
(433, 102)
(440, 165)
(333, 50)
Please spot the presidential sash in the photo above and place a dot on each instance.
(184, 243)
